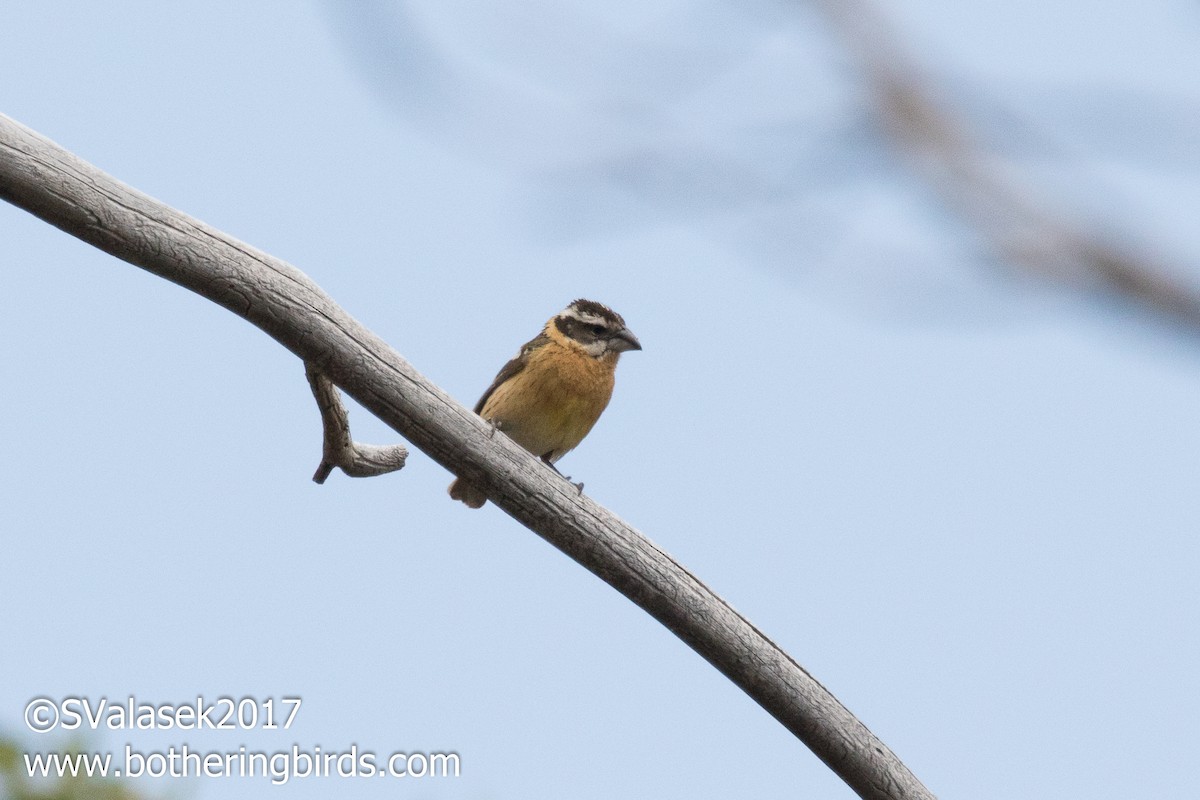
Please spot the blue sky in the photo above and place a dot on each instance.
(964, 500)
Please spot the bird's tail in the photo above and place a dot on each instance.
(461, 490)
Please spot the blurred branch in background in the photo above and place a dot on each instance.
(1004, 207)
(739, 117)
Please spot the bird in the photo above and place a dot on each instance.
(549, 396)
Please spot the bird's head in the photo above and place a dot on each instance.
(594, 328)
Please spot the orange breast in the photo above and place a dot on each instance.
(551, 404)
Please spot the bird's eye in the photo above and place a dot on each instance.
(597, 329)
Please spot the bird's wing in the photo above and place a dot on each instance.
(513, 367)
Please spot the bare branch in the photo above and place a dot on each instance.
(338, 449)
(41, 177)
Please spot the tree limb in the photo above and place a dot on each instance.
(42, 178)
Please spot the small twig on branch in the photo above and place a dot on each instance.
(338, 448)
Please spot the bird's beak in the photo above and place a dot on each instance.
(624, 340)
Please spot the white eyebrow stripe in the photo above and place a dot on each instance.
(586, 319)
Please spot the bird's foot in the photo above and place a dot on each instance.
(546, 460)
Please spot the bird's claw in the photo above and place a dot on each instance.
(546, 460)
